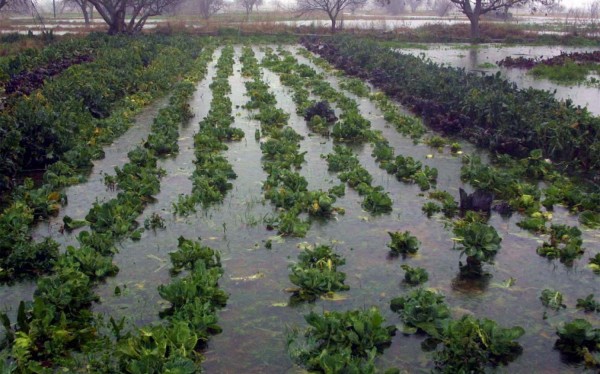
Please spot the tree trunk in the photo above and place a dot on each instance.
(332, 24)
(86, 16)
(474, 26)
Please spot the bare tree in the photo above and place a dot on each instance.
(84, 6)
(130, 16)
(15, 5)
(442, 7)
(249, 5)
(473, 9)
(208, 8)
(413, 4)
(594, 13)
(333, 8)
(393, 7)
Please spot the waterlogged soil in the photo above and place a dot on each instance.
(484, 59)
(257, 316)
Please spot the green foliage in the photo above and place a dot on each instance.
(536, 224)
(316, 273)
(579, 340)
(414, 275)
(595, 263)
(356, 86)
(422, 310)
(479, 242)
(552, 299)
(341, 342)
(470, 345)
(353, 128)
(89, 262)
(159, 349)
(569, 72)
(403, 242)
(190, 252)
(202, 283)
(155, 221)
(430, 208)
(565, 244)
(488, 109)
(377, 201)
(342, 159)
(408, 169)
(588, 304)
(590, 219)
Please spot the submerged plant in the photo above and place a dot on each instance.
(316, 273)
(414, 275)
(470, 345)
(155, 221)
(430, 208)
(552, 299)
(403, 242)
(377, 201)
(595, 263)
(565, 244)
(579, 340)
(341, 342)
(479, 242)
(588, 304)
(421, 310)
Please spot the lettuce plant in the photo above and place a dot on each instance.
(403, 243)
(341, 341)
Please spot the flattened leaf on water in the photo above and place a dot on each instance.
(506, 284)
(280, 305)
(276, 239)
(305, 246)
(257, 275)
(154, 257)
(409, 330)
(333, 296)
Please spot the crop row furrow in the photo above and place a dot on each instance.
(211, 176)
(286, 188)
(49, 116)
(353, 127)
(59, 322)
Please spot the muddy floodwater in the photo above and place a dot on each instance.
(484, 59)
(257, 315)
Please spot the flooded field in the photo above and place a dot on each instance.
(259, 314)
(484, 58)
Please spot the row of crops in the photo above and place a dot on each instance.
(395, 223)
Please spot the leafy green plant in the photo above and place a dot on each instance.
(377, 201)
(479, 242)
(421, 310)
(316, 273)
(470, 345)
(189, 252)
(403, 242)
(155, 221)
(588, 304)
(579, 340)
(565, 244)
(353, 128)
(590, 219)
(430, 208)
(552, 299)
(595, 263)
(414, 275)
(341, 341)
